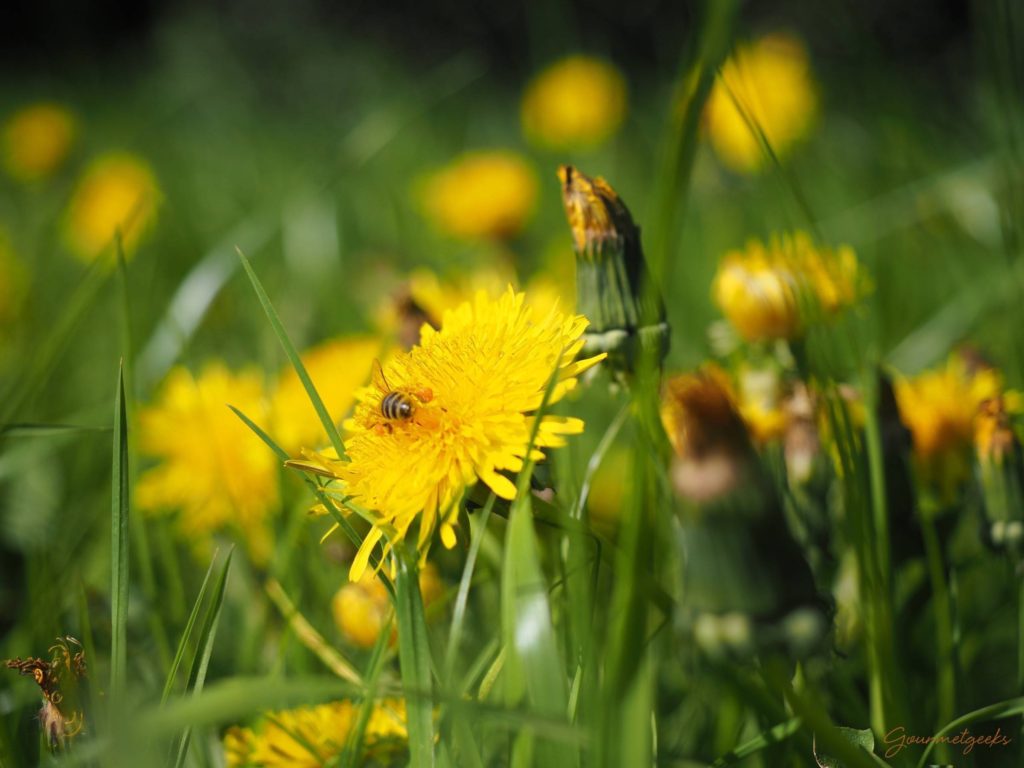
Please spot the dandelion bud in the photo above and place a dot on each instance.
(611, 275)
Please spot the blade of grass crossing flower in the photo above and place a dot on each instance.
(293, 356)
(414, 659)
(204, 648)
(479, 525)
(186, 634)
(119, 506)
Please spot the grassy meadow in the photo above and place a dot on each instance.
(575, 391)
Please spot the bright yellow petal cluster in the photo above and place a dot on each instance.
(337, 368)
(475, 385)
(767, 84)
(940, 407)
(766, 290)
(362, 607)
(36, 140)
(117, 193)
(210, 468)
(576, 103)
(481, 195)
(311, 737)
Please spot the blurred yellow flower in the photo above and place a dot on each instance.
(940, 407)
(361, 608)
(338, 368)
(481, 195)
(760, 399)
(769, 291)
(576, 103)
(36, 140)
(117, 193)
(312, 737)
(211, 469)
(771, 82)
(472, 388)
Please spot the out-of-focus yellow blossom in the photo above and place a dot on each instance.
(940, 407)
(608, 491)
(768, 291)
(576, 103)
(759, 396)
(117, 193)
(771, 82)
(473, 387)
(211, 469)
(338, 368)
(361, 608)
(36, 140)
(312, 737)
(481, 195)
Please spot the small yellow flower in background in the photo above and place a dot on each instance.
(759, 396)
(117, 193)
(473, 387)
(362, 607)
(338, 368)
(771, 81)
(481, 195)
(211, 469)
(36, 140)
(576, 103)
(940, 407)
(312, 737)
(766, 290)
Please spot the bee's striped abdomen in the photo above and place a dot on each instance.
(395, 405)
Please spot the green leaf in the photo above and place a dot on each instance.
(186, 634)
(293, 356)
(119, 505)
(204, 648)
(414, 659)
(861, 738)
(772, 736)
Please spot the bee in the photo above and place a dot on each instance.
(398, 404)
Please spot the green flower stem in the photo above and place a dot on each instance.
(944, 654)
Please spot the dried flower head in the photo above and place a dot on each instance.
(61, 716)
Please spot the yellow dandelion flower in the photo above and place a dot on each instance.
(769, 84)
(472, 389)
(311, 737)
(211, 469)
(766, 290)
(338, 368)
(361, 608)
(481, 195)
(576, 103)
(36, 140)
(940, 407)
(117, 193)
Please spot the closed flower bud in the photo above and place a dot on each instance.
(611, 275)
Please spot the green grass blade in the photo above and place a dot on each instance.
(772, 736)
(186, 634)
(204, 648)
(414, 660)
(462, 597)
(119, 505)
(1008, 708)
(293, 356)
